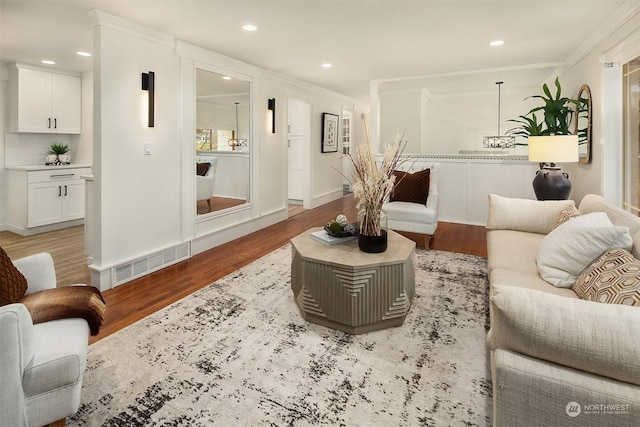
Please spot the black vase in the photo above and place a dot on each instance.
(373, 244)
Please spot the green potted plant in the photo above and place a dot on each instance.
(58, 154)
(550, 141)
(557, 114)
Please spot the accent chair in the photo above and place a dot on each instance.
(413, 204)
(204, 183)
(41, 366)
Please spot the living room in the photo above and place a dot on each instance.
(156, 188)
(144, 203)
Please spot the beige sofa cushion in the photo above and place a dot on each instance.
(598, 338)
(513, 250)
(509, 277)
(594, 203)
(533, 216)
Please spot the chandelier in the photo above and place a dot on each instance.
(499, 141)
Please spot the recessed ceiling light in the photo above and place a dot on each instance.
(81, 53)
(48, 62)
(327, 65)
(226, 78)
(496, 43)
(249, 27)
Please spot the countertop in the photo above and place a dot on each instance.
(46, 168)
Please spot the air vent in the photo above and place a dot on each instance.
(142, 266)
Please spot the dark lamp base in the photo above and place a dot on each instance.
(551, 183)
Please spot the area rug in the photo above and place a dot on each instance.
(237, 353)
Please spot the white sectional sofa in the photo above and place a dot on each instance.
(556, 359)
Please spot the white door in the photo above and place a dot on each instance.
(298, 138)
(347, 133)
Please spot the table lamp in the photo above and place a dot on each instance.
(550, 182)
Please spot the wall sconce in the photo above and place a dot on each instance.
(272, 107)
(148, 84)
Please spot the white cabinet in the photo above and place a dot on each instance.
(51, 197)
(44, 102)
(55, 201)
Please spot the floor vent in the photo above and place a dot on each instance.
(139, 267)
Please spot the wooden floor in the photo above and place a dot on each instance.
(134, 300)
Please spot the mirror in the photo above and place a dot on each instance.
(583, 124)
(223, 130)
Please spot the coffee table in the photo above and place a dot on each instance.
(343, 288)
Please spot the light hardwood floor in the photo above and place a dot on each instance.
(134, 300)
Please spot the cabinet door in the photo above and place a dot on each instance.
(73, 197)
(34, 101)
(44, 203)
(66, 103)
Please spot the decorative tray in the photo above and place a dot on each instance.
(346, 231)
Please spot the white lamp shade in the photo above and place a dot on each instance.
(553, 149)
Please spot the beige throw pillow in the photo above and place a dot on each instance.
(614, 278)
(566, 215)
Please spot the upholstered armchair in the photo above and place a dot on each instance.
(204, 183)
(41, 366)
(406, 209)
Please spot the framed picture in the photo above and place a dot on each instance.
(329, 133)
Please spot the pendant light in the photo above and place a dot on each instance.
(236, 142)
(499, 141)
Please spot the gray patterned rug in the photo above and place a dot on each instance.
(237, 353)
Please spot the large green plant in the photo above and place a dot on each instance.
(558, 112)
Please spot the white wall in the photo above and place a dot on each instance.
(144, 204)
(137, 197)
(589, 178)
(433, 124)
(4, 121)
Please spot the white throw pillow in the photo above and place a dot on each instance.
(566, 251)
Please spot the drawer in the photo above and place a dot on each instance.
(57, 175)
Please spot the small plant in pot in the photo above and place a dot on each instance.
(550, 141)
(58, 155)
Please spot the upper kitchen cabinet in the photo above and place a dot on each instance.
(44, 102)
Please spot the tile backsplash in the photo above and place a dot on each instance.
(31, 148)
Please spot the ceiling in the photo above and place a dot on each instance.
(438, 46)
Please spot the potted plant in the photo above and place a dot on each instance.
(550, 141)
(372, 183)
(557, 114)
(58, 154)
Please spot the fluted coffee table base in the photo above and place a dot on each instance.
(355, 292)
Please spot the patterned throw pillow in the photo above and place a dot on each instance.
(13, 284)
(566, 214)
(202, 168)
(614, 278)
(411, 187)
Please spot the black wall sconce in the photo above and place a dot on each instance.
(148, 84)
(272, 107)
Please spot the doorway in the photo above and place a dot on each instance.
(631, 134)
(347, 165)
(299, 153)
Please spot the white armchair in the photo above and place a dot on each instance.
(204, 183)
(41, 366)
(416, 217)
